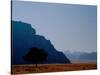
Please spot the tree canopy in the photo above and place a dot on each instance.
(35, 55)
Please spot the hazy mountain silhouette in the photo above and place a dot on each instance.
(24, 37)
(81, 55)
(72, 55)
(90, 56)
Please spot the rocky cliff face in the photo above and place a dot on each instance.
(24, 37)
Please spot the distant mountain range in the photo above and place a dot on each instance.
(90, 56)
(81, 55)
(24, 37)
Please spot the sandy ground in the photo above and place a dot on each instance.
(24, 69)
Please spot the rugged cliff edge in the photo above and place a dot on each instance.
(24, 37)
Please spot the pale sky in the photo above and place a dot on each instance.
(68, 27)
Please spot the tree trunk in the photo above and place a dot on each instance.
(36, 65)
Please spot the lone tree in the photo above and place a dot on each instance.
(36, 55)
